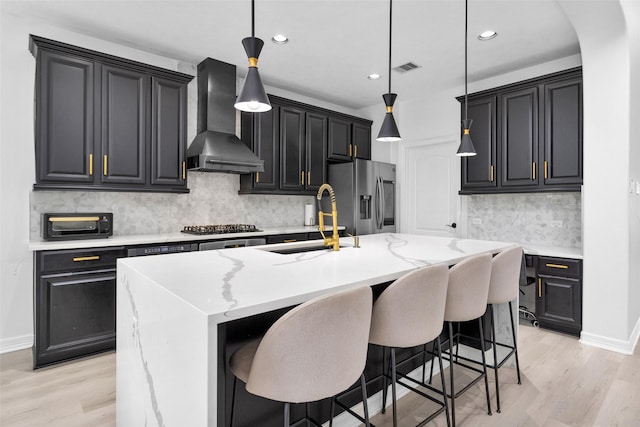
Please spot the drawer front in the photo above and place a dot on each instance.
(286, 238)
(78, 259)
(563, 267)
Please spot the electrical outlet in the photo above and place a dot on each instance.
(476, 221)
(556, 224)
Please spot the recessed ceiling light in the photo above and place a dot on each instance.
(487, 35)
(280, 39)
(374, 76)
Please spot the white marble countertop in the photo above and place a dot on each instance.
(556, 251)
(233, 283)
(142, 239)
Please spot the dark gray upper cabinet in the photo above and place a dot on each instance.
(294, 140)
(528, 136)
(519, 137)
(479, 171)
(107, 123)
(563, 132)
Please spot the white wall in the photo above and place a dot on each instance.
(609, 278)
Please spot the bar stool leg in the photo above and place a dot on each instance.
(495, 356)
(444, 389)
(365, 405)
(233, 399)
(333, 409)
(453, 393)
(484, 365)
(287, 414)
(384, 381)
(393, 386)
(515, 342)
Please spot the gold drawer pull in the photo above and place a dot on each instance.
(539, 288)
(184, 170)
(557, 266)
(355, 151)
(545, 169)
(491, 174)
(533, 170)
(90, 164)
(104, 165)
(350, 149)
(86, 258)
(290, 240)
(257, 177)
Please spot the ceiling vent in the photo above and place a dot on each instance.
(406, 67)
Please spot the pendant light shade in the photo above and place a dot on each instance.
(466, 148)
(389, 130)
(253, 97)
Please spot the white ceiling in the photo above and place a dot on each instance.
(334, 44)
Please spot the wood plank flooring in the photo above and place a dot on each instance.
(563, 384)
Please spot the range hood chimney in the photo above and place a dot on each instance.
(216, 148)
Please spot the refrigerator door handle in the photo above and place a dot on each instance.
(380, 207)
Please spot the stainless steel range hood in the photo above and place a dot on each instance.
(216, 148)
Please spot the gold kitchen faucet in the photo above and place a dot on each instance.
(335, 239)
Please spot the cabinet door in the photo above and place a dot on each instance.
(260, 133)
(479, 171)
(316, 142)
(519, 138)
(123, 125)
(362, 141)
(168, 132)
(64, 118)
(340, 144)
(559, 303)
(75, 316)
(292, 137)
(563, 132)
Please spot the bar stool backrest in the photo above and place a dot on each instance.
(468, 288)
(410, 311)
(505, 276)
(315, 350)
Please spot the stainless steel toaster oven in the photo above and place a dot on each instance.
(71, 226)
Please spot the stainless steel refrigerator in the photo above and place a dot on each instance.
(365, 195)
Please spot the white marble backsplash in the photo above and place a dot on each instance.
(213, 199)
(537, 218)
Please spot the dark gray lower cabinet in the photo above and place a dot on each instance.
(74, 304)
(559, 294)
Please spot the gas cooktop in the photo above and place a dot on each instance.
(219, 228)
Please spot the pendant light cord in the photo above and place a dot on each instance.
(390, 11)
(466, 6)
(253, 19)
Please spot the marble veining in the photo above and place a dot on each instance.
(553, 219)
(394, 242)
(138, 344)
(213, 199)
(227, 288)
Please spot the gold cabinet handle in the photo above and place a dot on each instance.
(302, 178)
(104, 165)
(257, 177)
(289, 240)
(562, 266)
(355, 151)
(533, 170)
(491, 174)
(545, 169)
(86, 258)
(90, 164)
(308, 177)
(539, 288)
(184, 170)
(350, 149)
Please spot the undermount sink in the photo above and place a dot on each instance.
(295, 248)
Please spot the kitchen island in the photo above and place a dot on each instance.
(170, 308)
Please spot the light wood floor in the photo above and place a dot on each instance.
(563, 384)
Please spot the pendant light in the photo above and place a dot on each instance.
(466, 146)
(253, 97)
(389, 130)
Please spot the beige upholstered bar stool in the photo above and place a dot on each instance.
(315, 351)
(467, 295)
(503, 288)
(408, 313)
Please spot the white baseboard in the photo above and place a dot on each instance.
(613, 344)
(16, 343)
